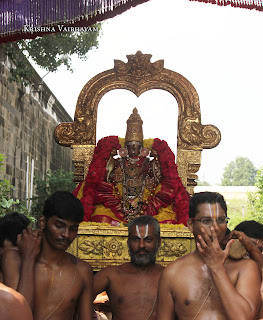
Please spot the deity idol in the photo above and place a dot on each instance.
(139, 178)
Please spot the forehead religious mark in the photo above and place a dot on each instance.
(145, 233)
(215, 212)
(217, 209)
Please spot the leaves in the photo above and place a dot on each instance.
(7, 202)
(50, 51)
(250, 208)
(203, 183)
(256, 198)
(240, 172)
(44, 187)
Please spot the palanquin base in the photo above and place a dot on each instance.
(103, 246)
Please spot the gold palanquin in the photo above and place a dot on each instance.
(138, 75)
(104, 246)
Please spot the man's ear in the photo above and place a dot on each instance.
(42, 222)
(190, 224)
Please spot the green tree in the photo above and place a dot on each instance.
(56, 180)
(237, 211)
(256, 199)
(7, 202)
(50, 51)
(203, 183)
(240, 172)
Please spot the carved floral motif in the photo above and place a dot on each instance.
(172, 249)
(113, 247)
(138, 66)
(91, 247)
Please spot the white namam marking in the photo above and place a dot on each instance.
(210, 210)
(215, 212)
(138, 232)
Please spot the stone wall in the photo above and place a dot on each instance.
(28, 117)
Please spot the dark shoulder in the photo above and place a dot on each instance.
(10, 296)
(12, 253)
(13, 304)
(81, 265)
(159, 266)
(123, 270)
(130, 269)
(5, 294)
(242, 264)
(181, 264)
(109, 271)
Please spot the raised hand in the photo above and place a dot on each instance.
(244, 239)
(208, 246)
(250, 246)
(29, 243)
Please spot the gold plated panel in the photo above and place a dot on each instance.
(82, 156)
(103, 246)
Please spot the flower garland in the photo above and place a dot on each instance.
(97, 191)
(96, 173)
(172, 190)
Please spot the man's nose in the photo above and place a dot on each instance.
(141, 243)
(65, 233)
(215, 224)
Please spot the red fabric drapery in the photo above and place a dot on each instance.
(44, 16)
(246, 4)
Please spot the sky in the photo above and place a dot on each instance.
(218, 49)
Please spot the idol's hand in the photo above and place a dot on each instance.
(209, 248)
(29, 243)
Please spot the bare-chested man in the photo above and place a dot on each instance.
(206, 284)
(11, 225)
(13, 305)
(250, 233)
(132, 286)
(55, 283)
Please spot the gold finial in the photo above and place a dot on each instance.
(134, 127)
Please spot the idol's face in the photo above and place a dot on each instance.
(143, 245)
(208, 215)
(133, 148)
(60, 233)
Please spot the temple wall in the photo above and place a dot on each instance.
(28, 117)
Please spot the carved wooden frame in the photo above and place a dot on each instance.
(138, 75)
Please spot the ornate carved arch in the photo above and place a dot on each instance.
(138, 75)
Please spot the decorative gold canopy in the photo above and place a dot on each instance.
(138, 75)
